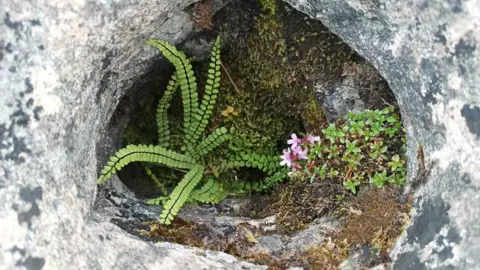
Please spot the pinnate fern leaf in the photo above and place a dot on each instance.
(211, 192)
(259, 186)
(162, 109)
(180, 194)
(157, 201)
(187, 81)
(267, 163)
(145, 153)
(212, 86)
(217, 137)
(157, 182)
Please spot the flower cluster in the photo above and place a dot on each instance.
(295, 152)
(365, 148)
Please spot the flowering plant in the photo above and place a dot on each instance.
(360, 150)
(295, 157)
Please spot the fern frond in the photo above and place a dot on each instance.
(272, 180)
(211, 192)
(162, 109)
(217, 137)
(267, 163)
(157, 182)
(242, 186)
(180, 194)
(203, 113)
(258, 186)
(157, 201)
(186, 79)
(146, 153)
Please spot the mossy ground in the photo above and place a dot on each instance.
(297, 204)
(372, 220)
(273, 62)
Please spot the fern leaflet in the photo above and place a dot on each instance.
(180, 194)
(187, 81)
(157, 201)
(267, 163)
(150, 153)
(159, 185)
(217, 137)
(211, 192)
(162, 117)
(205, 110)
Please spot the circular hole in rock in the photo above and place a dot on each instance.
(283, 73)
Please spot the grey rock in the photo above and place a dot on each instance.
(352, 263)
(314, 235)
(359, 88)
(64, 65)
(428, 53)
(274, 243)
(362, 258)
(340, 99)
(266, 224)
(199, 48)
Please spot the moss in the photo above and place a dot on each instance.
(328, 256)
(181, 231)
(270, 5)
(314, 118)
(296, 204)
(285, 60)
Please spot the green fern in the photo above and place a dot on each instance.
(267, 163)
(187, 81)
(190, 156)
(150, 153)
(217, 137)
(155, 180)
(162, 117)
(180, 194)
(211, 192)
(157, 201)
(209, 99)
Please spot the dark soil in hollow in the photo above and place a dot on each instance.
(370, 222)
(274, 60)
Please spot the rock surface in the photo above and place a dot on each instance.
(359, 87)
(314, 235)
(428, 53)
(63, 67)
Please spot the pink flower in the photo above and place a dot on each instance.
(299, 153)
(312, 139)
(286, 158)
(294, 141)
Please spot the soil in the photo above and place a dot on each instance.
(370, 221)
(297, 204)
(375, 219)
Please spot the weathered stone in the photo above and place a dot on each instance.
(274, 243)
(360, 87)
(63, 67)
(362, 258)
(314, 235)
(428, 53)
